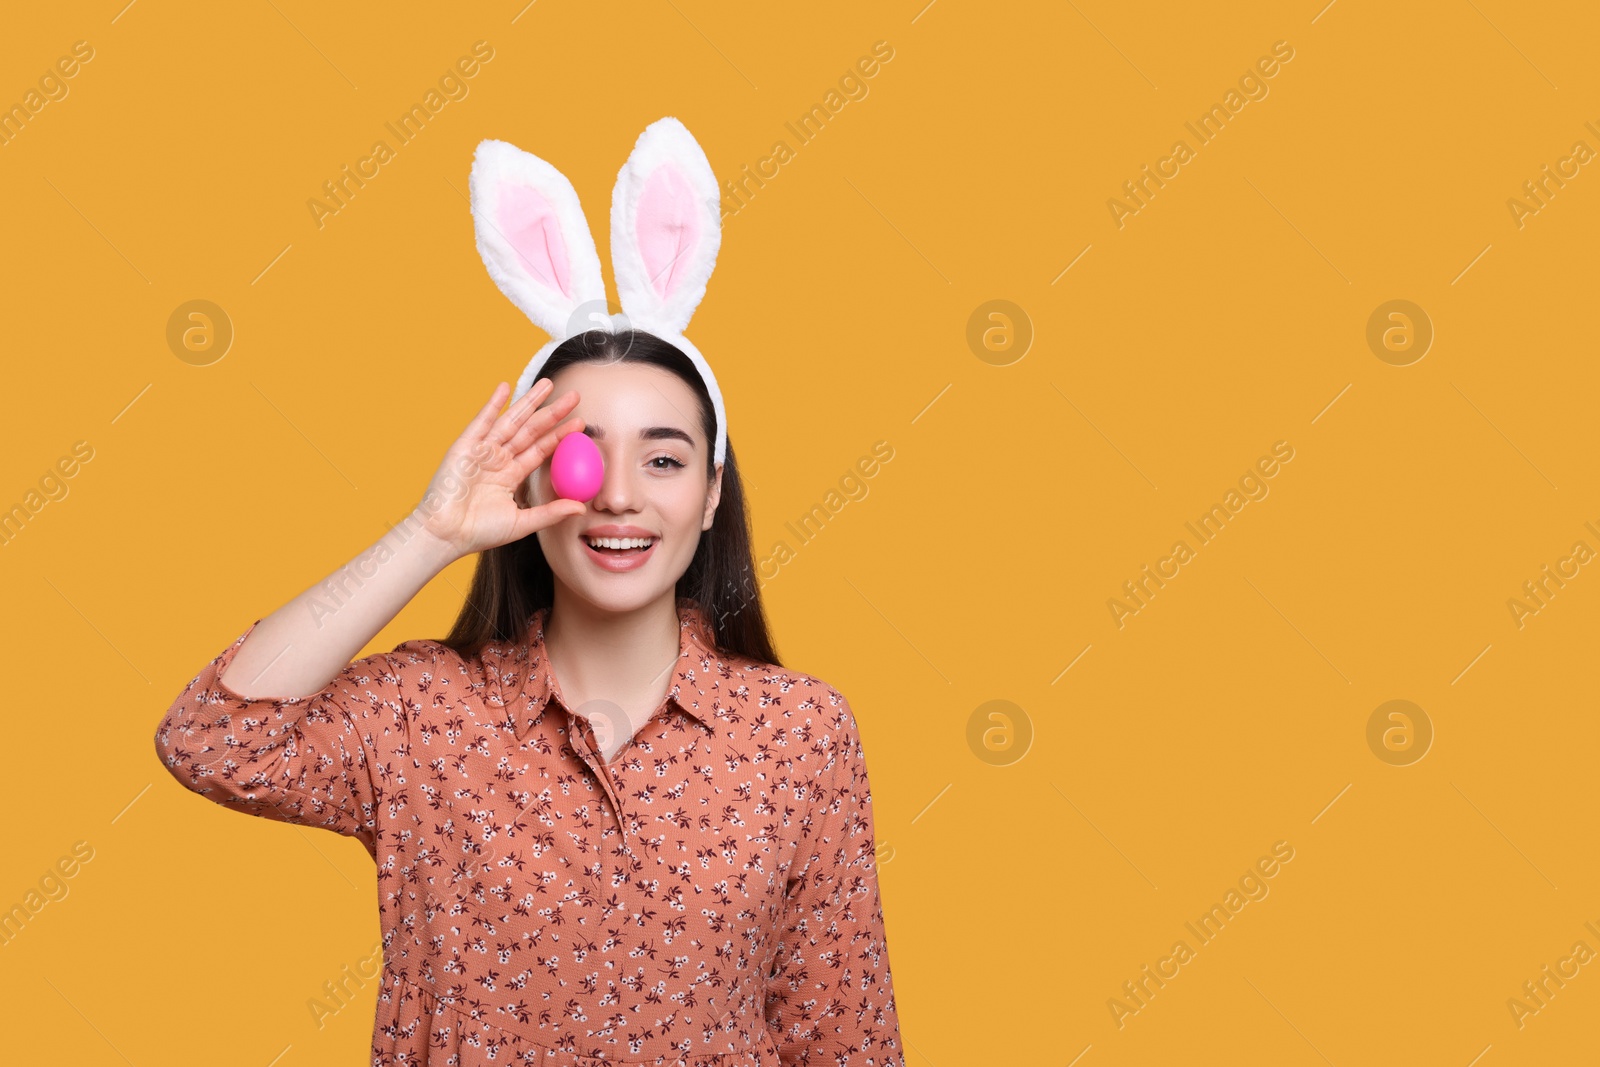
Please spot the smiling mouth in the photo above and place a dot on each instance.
(620, 547)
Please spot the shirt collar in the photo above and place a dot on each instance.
(527, 685)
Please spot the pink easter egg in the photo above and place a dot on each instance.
(576, 469)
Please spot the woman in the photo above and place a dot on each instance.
(609, 827)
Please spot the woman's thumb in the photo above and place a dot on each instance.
(543, 516)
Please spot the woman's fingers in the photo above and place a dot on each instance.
(537, 447)
(540, 516)
(485, 418)
(517, 413)
(539, 426)
(493, 455)
(521, 423)
(527, 461)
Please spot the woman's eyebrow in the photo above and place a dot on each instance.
(649, 433)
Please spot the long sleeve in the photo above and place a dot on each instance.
(830, 996)
(320, 760)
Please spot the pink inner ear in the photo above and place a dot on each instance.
(667, 228)
(529, 222)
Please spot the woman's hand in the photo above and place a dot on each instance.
(471, 503)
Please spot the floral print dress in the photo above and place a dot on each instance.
(706, 898)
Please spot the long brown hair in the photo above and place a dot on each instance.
(514, 580)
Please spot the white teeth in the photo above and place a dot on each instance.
(620, 542)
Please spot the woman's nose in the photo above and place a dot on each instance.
(617, 489)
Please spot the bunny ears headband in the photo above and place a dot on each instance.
(666, 227)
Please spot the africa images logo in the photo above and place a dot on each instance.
(1205, 129)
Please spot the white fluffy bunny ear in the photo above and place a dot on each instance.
(533, 237)
(666, 227)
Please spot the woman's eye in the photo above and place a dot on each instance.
(669, 459)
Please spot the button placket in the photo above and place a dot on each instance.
(602, 770)
(580, 743)
(578, 737)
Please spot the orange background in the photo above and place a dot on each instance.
(1228, 313)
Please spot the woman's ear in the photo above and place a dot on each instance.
(713, 497)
